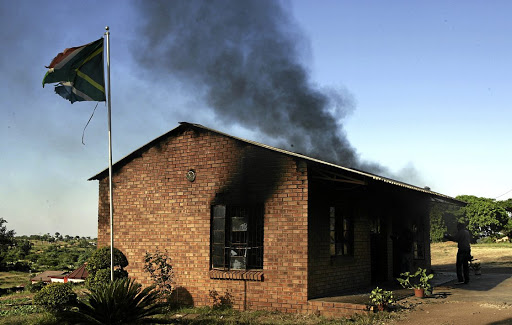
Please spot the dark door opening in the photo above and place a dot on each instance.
(378, 253)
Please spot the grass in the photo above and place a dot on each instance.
(16, 308)
(42, 318)
(199, 316)
(13, 279)
(493, 255)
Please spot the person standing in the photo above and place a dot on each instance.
(463, 239)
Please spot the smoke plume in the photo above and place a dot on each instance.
(246, 58)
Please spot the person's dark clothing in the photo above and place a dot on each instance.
(462, 265)
(463, 239)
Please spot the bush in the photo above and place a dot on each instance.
(98, 266)
(100, 259)
(224, 301)
(485, 240)
(159, 267)
(102, 277)
(56, 296)
(380, 296)
(35, 287)
(98, 279)
(122, 301)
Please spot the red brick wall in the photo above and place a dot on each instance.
(156, 207)
(341, 274)
(336, 275)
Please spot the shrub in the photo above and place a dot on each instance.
(485, 240)
(56, 296)
(35, 287)
(122, 301)
(98, 279)
(100, 259)
(381, 297)
(98, 266)
(159, 267)
(224, 301)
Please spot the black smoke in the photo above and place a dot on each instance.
(246, 59)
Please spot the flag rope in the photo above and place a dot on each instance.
(90, 118)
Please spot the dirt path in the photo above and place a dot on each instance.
(487, 299)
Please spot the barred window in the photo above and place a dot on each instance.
(341, 232)
(237, 237)
(418, 241)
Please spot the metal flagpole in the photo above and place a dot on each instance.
(110, 187)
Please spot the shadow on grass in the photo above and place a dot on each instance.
(502, 322)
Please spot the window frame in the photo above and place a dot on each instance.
(236, 241)
(418, 241)
(341, 231)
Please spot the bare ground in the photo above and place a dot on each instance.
(487, 299)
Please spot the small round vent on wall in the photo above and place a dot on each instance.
(191, 175)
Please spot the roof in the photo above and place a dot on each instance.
(186, 125)
(80, 273)
(47, 275)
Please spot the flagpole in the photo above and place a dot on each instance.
(107, 36)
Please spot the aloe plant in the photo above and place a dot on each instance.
(122, 301)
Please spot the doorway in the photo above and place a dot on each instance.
(378, 251)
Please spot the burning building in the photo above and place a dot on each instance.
(268, 228)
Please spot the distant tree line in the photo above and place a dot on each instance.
(484, 218)
(57, 237)
(42, 252)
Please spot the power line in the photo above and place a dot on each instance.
(503, 194)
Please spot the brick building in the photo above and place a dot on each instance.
(264, 227)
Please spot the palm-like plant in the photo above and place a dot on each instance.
(122, 301)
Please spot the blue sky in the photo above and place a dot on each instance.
(429, 83)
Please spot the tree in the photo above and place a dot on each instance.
(6, 240)
(484, 216)
(24, 246)
(17, 252)
(437, 223)
(35, 237)
(507, 205)
(443, 219)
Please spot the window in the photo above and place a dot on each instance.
(237, 237)
(341, 232)
(418, 241)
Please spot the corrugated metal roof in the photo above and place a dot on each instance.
(80, 273)
(47, 275)
(137, 153)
